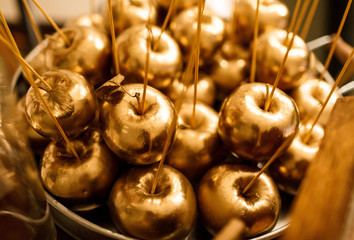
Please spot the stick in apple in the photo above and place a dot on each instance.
(113, 36)
(33, 22)
(50, 20)
(147, 64)
(255, 41)
(293, 18)
(334, 43)
(308, 21)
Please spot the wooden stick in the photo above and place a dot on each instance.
(55, 26)
(334, 43)
(282, 65)
(349, 59)
(92, 7)
(308, 21)
(147, 64)
(235, 229)
(113, 37)
(293, 18)
(196, 60)
(33, 22)
(164, 25)
(321, 209)
(255, 43)
(36, 89)
(277, 153)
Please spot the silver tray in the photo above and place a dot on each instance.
(97, 224)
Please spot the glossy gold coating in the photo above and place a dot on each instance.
(165, 62)
(89, 53)
(180, 4)
(71, 99)
(80, 184)
(290, 168)
(272, 14)
(89, 20)
(138, 139)
(134, 12)
(184, 26)
(309, 98)
(197, 147)
(205, 87)
(220, 199)
(231, 66)
(170, 213)
(249, 131)
(272, 46)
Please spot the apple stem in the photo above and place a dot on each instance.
(306, 27)
(334, 43)
(277, 153)
(33, 22)
(113, 37)
(346, 64)
(163, 155)
(14, 49)
(55, 26)
(293, 19)
(282, 65)
(255, 43)
(164, 25)
(38, 93)
(196, 57)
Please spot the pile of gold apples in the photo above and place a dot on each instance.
(106, 124)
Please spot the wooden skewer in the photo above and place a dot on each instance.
(121, 23)
(113, 36)
(33, 22)
(147, 64)
(164, 25)
(334, 43)
(36, 89)
(270, 161)
(347, 62)
(308, 21)
(92, 7)
(293, 18)
(196, 60)
(277, 79)
(255, 43)
(59, 31)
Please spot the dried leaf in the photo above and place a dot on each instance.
(60, 101)
(109, 88)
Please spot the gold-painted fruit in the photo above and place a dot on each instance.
(89, 20)
(165, 62)
(272, 14)
(138, 138)
(71, 99)
(310, 97)
(80, 184)
(169, 213)
(184, 28)
(220, 199)
(290, 168)
(197, 146)
(272, 46)
(88, 53)
(251, 132)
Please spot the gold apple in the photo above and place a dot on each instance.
(220, 199)
(71, 99)
(165, 62)
(309, 98)
(272, 14)
(205, 87)
(169, 213)
(127, 13)
(89, 53)
(88, 20)
(272, 46)
(251, 132)
(138, 138)
(290, 168)
(184, 27)
(179, 5)
(197, 146)
(80, 184)
(231, 66)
